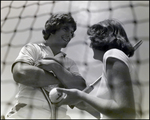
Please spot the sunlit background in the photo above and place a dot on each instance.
(23, 21)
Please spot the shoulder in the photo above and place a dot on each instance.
(33, 46)
(116, 58)
(117, 70)
(29, 45)
(115, 53)
(116, 64)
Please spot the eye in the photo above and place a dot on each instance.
(66, 29)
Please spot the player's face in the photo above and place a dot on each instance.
(64, 35)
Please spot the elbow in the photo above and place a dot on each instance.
(126, 113)
(82, 84)
(17, 72)
(131, 113)
(25, 74)
(22, 78)
(18, 76)
(77, 83)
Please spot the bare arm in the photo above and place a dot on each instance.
(33, 76)
(88, 108)
(122, 103)
(67, 78)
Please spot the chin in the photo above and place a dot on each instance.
(65, 45)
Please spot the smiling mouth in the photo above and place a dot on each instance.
(66, 39)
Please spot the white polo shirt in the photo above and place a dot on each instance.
(31, 53)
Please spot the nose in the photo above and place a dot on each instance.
(70, 34)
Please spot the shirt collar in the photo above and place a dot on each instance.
(61, 54)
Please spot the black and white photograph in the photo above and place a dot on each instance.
(75, 59)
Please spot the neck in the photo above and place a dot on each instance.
(98, 55)
(55, 49)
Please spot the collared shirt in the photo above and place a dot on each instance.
(31, 53)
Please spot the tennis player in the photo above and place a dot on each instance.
(45, 65)
(117, 97)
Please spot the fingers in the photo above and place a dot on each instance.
(38, 63)
(71, 97)
(56, 59)
(48, 58)
(62, 102)
(44, 62)
(62, 90)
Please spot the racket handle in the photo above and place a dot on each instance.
(88, 89)
(53, 112)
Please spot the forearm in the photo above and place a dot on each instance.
(33, 76)
(108, 107)
(68, 79)
(91, 110)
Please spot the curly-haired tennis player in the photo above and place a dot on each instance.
(45, 65)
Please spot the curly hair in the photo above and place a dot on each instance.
(55, 22)
(110, 34)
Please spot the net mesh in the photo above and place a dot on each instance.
(23, 21)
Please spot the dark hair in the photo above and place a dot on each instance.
(110, 34)
(55, 22)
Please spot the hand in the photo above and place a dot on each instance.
(72, 98)
(46, 64)
(56, 59)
